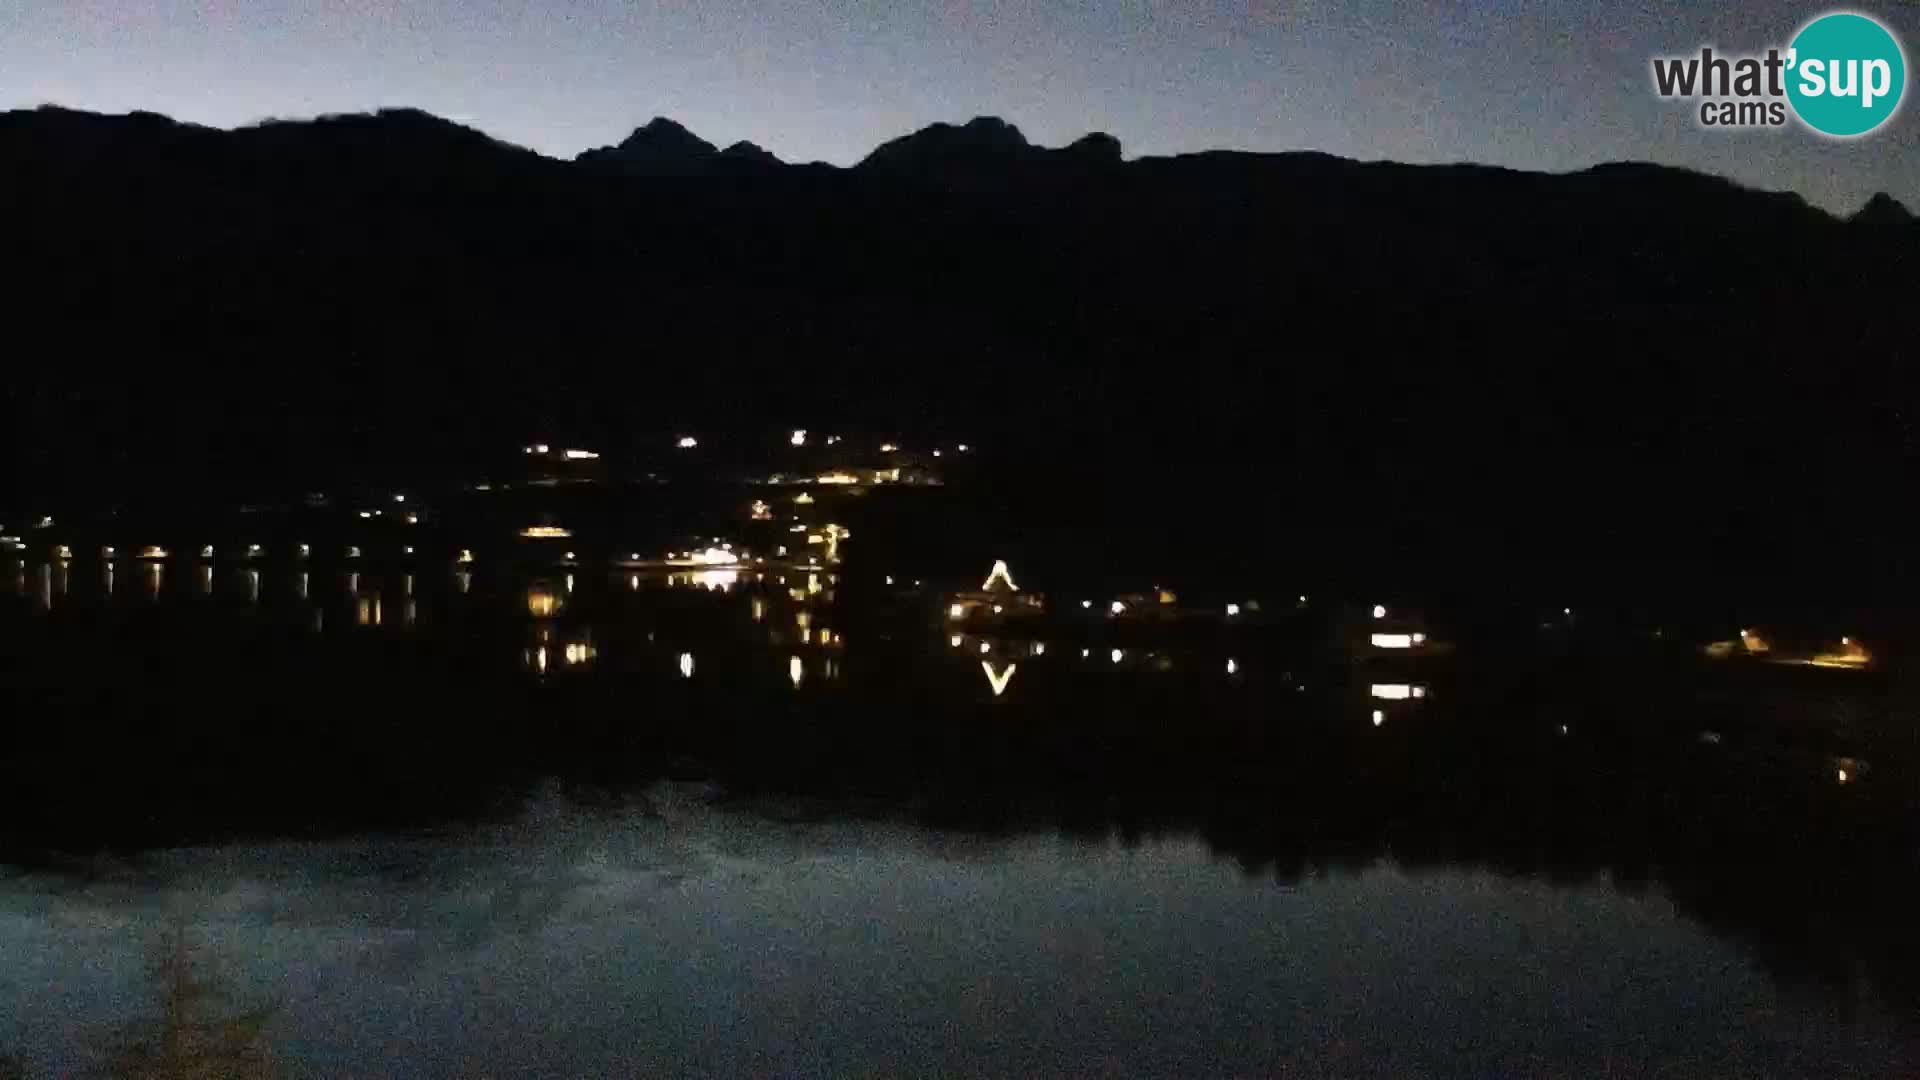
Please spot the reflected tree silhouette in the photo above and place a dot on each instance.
(199, 1032)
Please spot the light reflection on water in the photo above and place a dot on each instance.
(1042, 919)
(747, 601)
(784, 615)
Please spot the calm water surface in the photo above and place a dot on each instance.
(387, 820)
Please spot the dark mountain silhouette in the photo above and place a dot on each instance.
(663, 148)
(987, 152)
(746, 151)
(1883, 209)
(1267, 356)
(1095, 146)
(658, 146)
(982, 139)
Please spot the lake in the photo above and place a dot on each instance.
(285, 819)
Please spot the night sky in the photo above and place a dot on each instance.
(1551, 85)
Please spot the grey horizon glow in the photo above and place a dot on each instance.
(1553, 85)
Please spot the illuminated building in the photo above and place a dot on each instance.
(834, 534)
(1159, 605)
(548, 466)
(1000, 577)
(1396, 691)
(997, 598)
(1848, 654)
(721, 555)
(542, 601)
(1380, 631)
(1749, 642)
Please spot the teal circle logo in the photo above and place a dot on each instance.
(1845, 74)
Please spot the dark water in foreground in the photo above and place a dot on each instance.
(496, 826)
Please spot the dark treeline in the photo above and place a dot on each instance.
(1459, 371)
